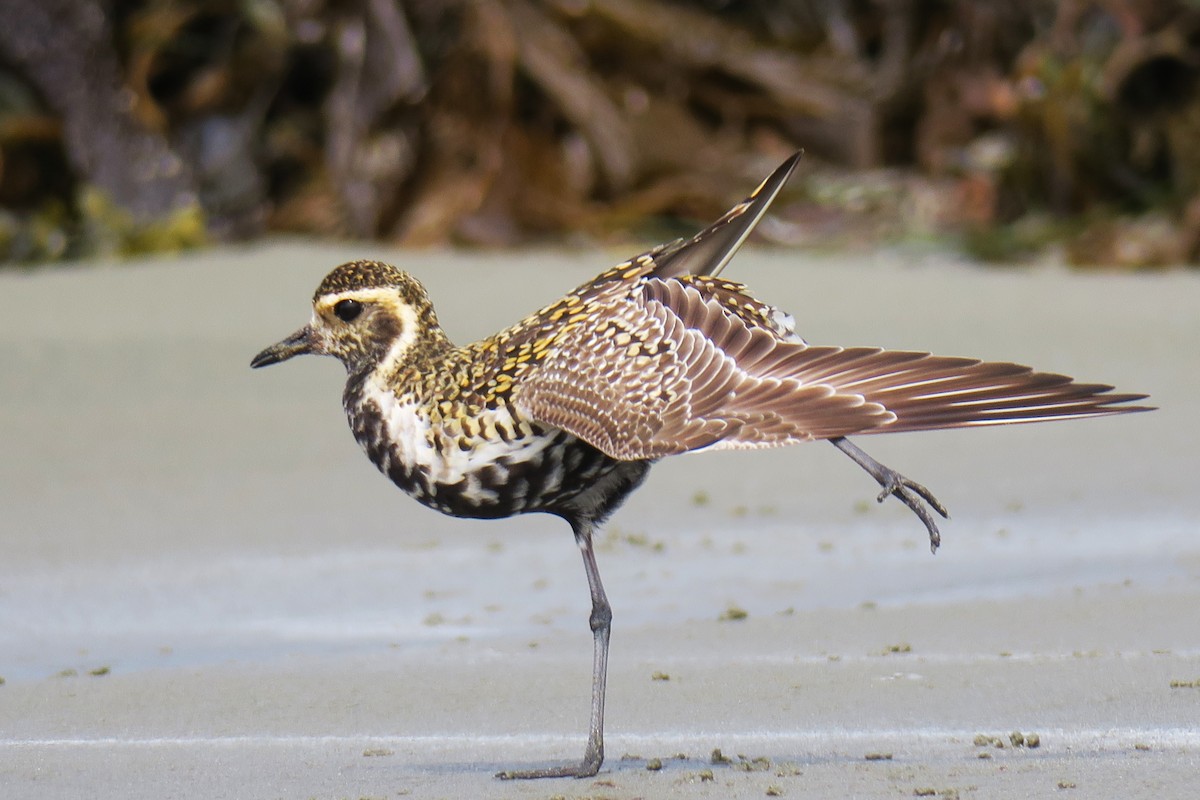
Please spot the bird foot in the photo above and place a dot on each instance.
(907, 491)
(911, 494)
(585, 769)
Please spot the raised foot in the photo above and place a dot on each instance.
(908, 491)
(586, 769)
(911, 494)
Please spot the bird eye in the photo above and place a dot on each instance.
(347, 310)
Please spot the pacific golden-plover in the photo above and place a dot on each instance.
(566, 411)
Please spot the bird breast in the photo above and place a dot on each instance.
(483, 464)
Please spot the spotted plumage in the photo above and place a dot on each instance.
(566, 411)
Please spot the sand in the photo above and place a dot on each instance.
(206, 591)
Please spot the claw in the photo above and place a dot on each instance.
(907, 491)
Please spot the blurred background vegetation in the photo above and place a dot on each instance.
(1011, 129)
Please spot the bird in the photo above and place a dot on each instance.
(566, 411)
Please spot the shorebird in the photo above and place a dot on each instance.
(566, 411)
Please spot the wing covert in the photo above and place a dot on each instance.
(695, 362)
(681, 365)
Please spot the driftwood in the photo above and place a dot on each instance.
(497, 121)
(65, 48)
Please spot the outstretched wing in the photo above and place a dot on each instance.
(688, 363)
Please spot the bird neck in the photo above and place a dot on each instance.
(422, 354)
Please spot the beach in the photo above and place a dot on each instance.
(207, 590)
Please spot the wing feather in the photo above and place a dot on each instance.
(709, 251)
(699, 364)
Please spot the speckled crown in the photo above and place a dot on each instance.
(355, 275)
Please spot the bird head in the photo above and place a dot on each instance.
(365, 314)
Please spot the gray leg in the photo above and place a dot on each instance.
(600, 621)
(908, 491)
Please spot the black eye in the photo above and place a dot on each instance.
(347, 310)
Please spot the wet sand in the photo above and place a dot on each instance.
(268, 617)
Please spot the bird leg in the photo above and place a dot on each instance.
(600, 621)
(908, 491)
